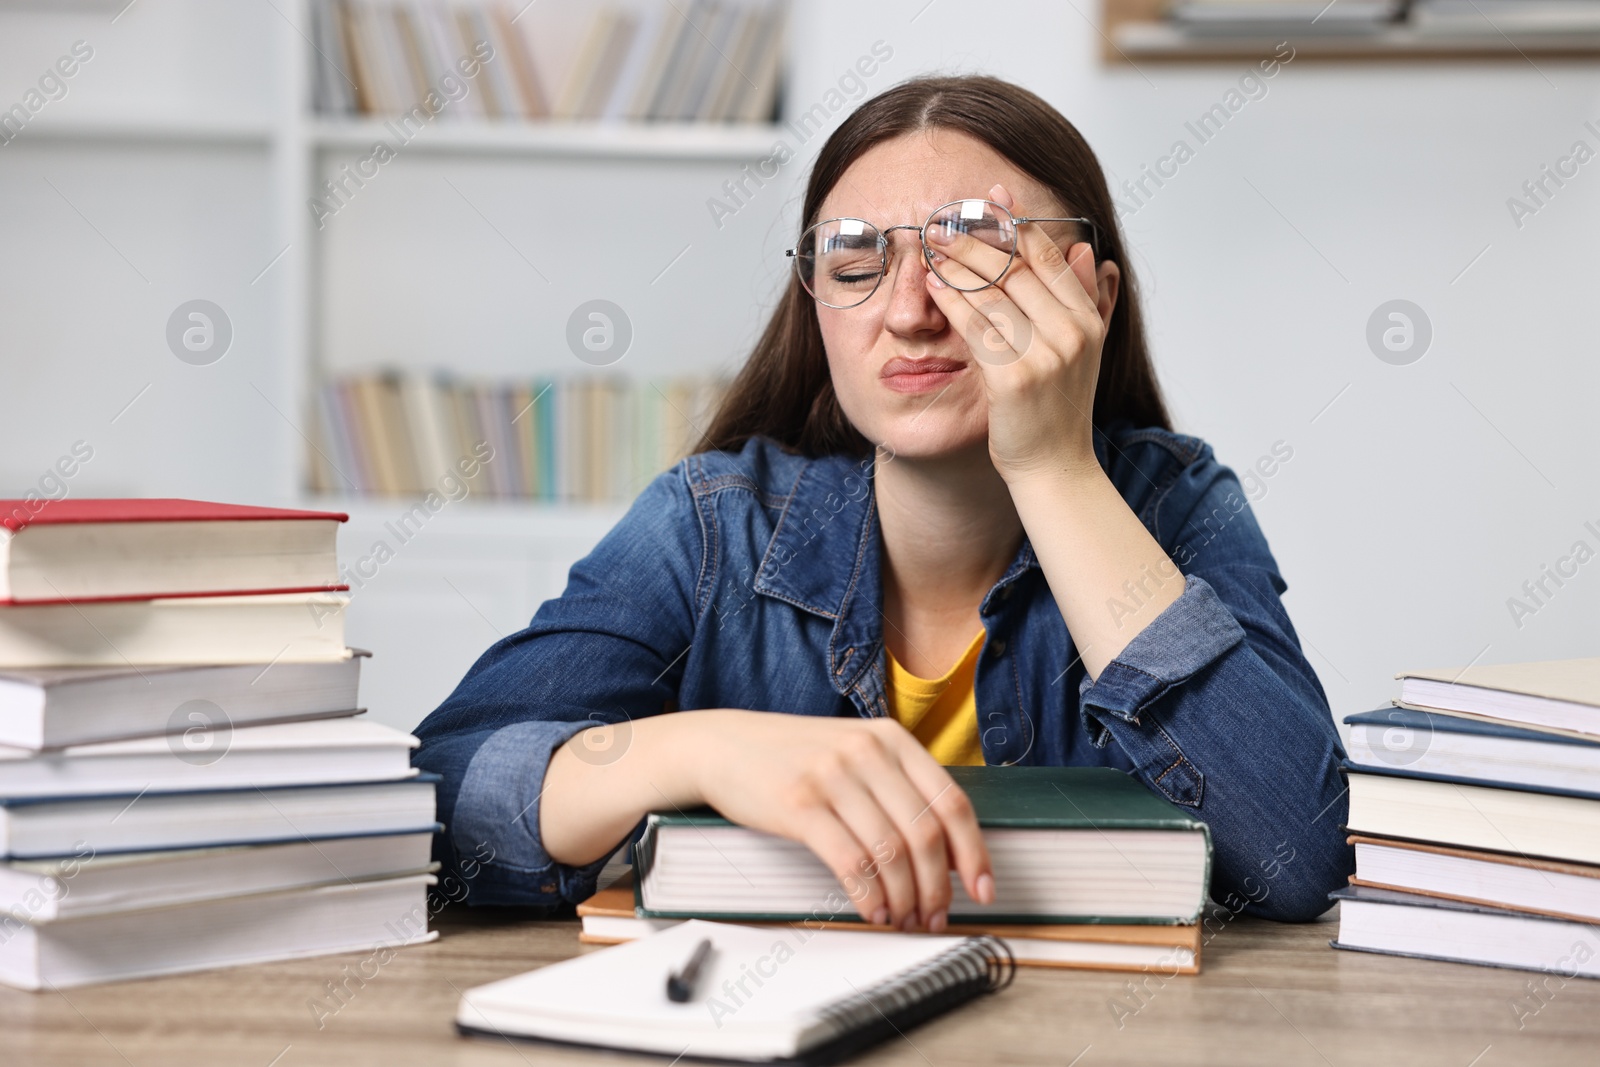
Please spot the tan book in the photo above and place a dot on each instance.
(1521, 883)
(1559, 694)
(742, 54)
(414, 58)
(755, 105)
(359, 61)
(609, 919)
(397, 435)
(512, 48)
(584, 64)
(368, 391)
(617, 45)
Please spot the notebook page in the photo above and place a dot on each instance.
(758, 993)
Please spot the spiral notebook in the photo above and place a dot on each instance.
(765, 995)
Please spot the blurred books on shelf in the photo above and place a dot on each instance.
(1475, 815)
(591, 439)
(698, 61)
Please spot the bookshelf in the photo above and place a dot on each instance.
(485, 562)
(1137, 31)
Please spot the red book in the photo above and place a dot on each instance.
(55, 551)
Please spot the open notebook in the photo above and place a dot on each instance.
(764, 995)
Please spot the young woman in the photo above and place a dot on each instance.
(940, 518)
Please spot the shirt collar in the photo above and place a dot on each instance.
(820, 554)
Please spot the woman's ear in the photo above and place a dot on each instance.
(1109, 278)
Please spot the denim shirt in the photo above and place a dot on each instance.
(751, 580)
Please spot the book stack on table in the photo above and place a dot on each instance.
(1475, 816)
(1091, 870)
(184, 782)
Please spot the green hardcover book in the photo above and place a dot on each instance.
(1067, 844)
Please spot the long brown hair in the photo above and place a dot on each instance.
(785, 392)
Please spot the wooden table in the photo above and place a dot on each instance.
(1269, 994)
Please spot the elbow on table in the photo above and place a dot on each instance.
(1299, 892)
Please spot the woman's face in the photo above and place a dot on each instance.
(940, 411)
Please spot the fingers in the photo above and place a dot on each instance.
(958, 822)
(923, 850)
(882, 867)
(821, 830)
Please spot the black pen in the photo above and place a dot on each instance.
(680, 986)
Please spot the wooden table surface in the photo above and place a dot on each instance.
(1268, 994)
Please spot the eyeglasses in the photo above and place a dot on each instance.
(841, 262)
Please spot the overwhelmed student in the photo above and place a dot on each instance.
(941, 517)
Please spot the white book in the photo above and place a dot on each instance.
(73, 550)
(210, 756)
(762, 994)
(50, 707)
(1544, 825)
(1404, 924)
(1550, 694)
(1562, 890)
(349, 917)
(727, 870)
(280, 627)
(46, 828)
(87, 884)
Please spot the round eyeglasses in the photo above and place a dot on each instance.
(841, 262)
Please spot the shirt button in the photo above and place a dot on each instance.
(999, 648)
(1005, 594)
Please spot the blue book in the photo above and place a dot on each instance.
(1414, 743)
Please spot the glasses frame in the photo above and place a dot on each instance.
(927, 253)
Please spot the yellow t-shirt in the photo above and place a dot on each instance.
(942, 713)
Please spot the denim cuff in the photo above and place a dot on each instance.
(499, 805)
(1190, 633)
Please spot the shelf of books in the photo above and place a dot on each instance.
(705, 62)
(1138, 30)
(578, 440)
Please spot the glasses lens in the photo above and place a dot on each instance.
(984, 220)
(840, 261)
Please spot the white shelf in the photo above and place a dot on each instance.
(693, 141)
(205, 130)
(653, 140)
(1163, 40)
(476, 507)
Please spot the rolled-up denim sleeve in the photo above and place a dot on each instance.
(1218, 709)
(610, 649)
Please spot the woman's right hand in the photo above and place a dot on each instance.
(862, 794)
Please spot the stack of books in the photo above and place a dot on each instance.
(1475, 816)
(1091, 870)
(582, 438)
(702, 61)
(183, 781)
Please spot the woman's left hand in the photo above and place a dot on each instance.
(1036, 338)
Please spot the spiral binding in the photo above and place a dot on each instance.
(975, 965)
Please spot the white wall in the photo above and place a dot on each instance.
(1413, 506)
(1425, 496)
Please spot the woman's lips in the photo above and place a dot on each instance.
(920, 375)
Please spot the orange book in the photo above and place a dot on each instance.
(609, 919)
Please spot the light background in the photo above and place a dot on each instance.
(1418, 499)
